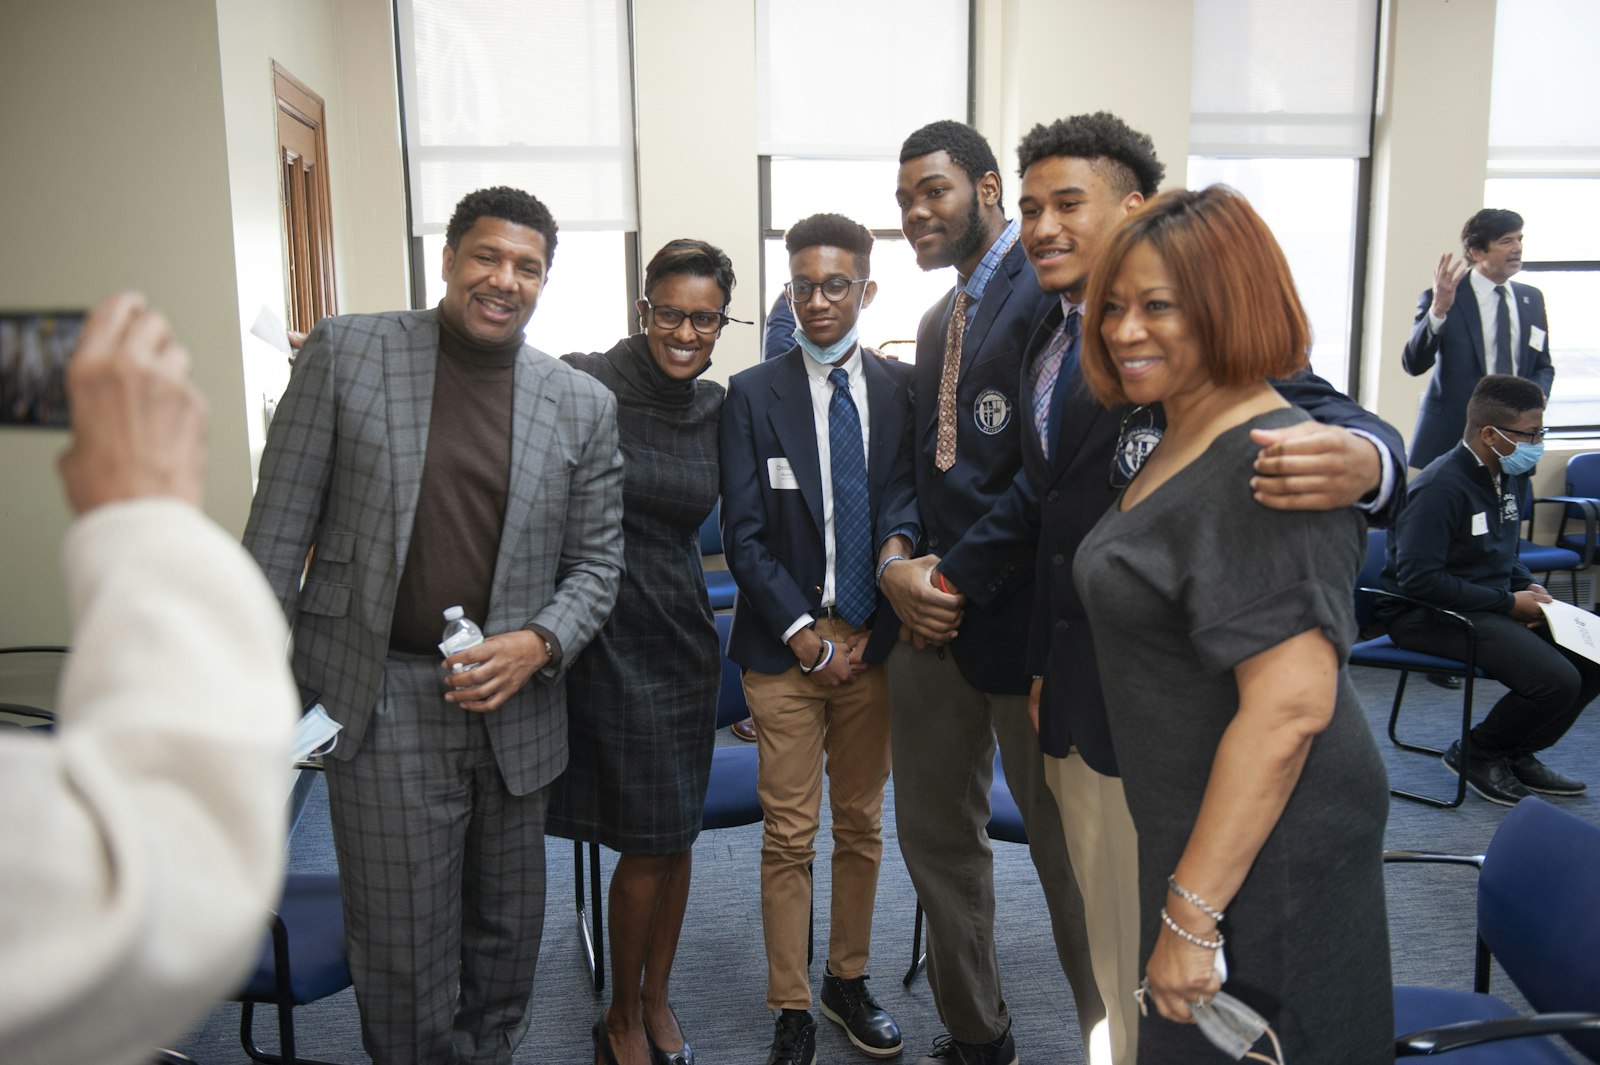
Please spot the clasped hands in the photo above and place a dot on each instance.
(927, 604)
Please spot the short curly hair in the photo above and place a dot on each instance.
(692, 258)
(833, 231)
(1499, 399)
(960, 141)
(512, 205)
(1125, 157)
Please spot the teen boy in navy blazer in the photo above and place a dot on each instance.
(816, 477)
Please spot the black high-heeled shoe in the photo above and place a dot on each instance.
(602, 1043)
(661, 1057)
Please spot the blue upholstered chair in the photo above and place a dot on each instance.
(730, 802)
(719, 582)
(1005, 825)
(1381, 653)
(302, 961)
(1538, 917)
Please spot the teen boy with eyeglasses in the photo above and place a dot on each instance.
(816, 477)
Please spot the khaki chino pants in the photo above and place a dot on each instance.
(803, 728)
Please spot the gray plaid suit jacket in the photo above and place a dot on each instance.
(341, 472)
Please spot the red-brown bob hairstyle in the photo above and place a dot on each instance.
(1233, 284)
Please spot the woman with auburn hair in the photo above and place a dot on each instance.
(642, 697)
(1222, 629)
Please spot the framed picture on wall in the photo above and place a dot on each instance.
(34, 346)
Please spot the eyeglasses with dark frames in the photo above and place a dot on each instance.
(708, 323)
(833, 290)
(1534, 437)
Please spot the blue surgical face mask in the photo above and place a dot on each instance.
(1523, 457)
(830, 354)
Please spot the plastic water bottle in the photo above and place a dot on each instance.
(460, 633)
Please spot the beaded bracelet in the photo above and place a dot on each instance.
(885, 565)
(824, 656)
(1188, 936)
(1192, 899)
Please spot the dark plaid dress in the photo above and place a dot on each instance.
(641, 698)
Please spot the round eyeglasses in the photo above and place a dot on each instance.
(833, 290)
(670, 318)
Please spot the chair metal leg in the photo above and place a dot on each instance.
(594, 946)
(917, 955)
(1468, 677)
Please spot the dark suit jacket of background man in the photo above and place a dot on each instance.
(1458, 356)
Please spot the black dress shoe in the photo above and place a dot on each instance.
(851, 1006)
(602, 1043)
(950, 1051)
(794, 1039)
(1489, 777)
(658, 1056)
(1536, 776)
(1446, 680)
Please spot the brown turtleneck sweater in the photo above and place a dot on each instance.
(461, 506)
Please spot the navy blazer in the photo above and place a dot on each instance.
(773, 536)
(991, 564)
(1071, 491)
(1456, 354)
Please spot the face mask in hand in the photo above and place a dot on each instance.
(1229, 1025)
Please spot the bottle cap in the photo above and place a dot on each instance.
(451, 613)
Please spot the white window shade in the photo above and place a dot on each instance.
(536, 94)
(846, 79)
(1542, 113)
(1282, 77)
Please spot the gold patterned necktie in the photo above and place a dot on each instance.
(944, 455)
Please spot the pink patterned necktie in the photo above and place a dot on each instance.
(944, 455)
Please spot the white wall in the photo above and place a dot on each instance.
(707, 190)
(344, 52)
(141, 152)
(116, 176)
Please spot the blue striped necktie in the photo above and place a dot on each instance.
(1064, 341)
(853, 593)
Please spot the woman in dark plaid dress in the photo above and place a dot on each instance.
(641, 698)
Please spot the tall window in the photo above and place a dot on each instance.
(1544, 163)
(536, 94)
(1281, 101)
(834, 146)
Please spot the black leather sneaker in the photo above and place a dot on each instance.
(1536, 776)
(794, 1039)
(851, 1006)
(948, 1051)
(1490, 777)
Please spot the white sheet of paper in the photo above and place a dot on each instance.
(1576, 630)
(1480, 524)
(780, 474)
(269, 327)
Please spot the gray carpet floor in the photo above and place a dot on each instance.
(719, 980)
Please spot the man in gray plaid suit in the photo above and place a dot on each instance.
(427, 459)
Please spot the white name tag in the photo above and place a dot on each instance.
(1480, 524)
(780, 474)
(1536, 338)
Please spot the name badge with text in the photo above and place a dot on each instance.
(780, 474)
(1480, 524)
